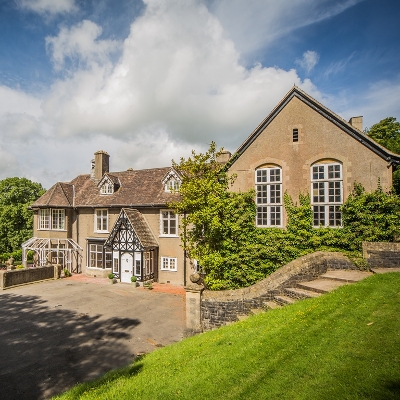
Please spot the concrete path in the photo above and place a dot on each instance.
(57, 333)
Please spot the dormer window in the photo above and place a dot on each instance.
(107, 188)
(172, 185)
(171, 182)
(109, 184)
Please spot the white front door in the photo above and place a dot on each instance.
(126, 267)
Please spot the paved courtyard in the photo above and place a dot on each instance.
(57, 333)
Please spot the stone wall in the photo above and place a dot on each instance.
(18, 277)
(222, 307)
(382, 254)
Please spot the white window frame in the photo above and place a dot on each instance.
(44, 219)
(58, 219)
(101, 215)
(172, 185)
(165, 224)
(169, 264)
(101, 257)
(327, 194)
(107, 188)
(269, 197)
(51, 219)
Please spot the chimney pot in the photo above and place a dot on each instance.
(357, 122)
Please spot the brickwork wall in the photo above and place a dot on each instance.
(22, 276)
(220, 308)
(381, 254)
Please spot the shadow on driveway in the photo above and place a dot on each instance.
(44, 351)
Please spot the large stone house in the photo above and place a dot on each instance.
(119, 221)
(303, 147)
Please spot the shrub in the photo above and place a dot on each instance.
(111, 276)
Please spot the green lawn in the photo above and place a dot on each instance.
(344, 345)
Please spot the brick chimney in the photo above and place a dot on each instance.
(357, 122)
(100, 165)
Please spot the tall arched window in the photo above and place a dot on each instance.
(269, 196)
(327, 194)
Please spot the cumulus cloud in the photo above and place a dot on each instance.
(178, 71)
(178, 84)
(48, 6)
(308, 61)
(80, 45)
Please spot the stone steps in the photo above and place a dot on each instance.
(346, 275)
(283, 300)
(385, 270)
(299, 294)
(321, 285)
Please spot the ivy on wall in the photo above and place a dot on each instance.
(219, 225)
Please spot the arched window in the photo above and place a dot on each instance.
(327, 194)
(269, 196)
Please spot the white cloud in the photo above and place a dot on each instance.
(376, 102)
(177, 71)
(80, 45)
(48, 6)
(254, 27)
(309, 60)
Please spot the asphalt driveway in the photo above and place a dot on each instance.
(57, 333)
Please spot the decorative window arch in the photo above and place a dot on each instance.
(268, 182)
(327, 193)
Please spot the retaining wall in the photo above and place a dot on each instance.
(18, 277)
(381, 254)
(222, 307)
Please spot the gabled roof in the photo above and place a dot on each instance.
(172, 173)
(142, 229)
(109, 178)
(138, 188)
(133, 221)
(59, 195)
(326, 113)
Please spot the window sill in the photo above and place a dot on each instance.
(54, 230)
(169, 270)
(169, 236)
(101, 232)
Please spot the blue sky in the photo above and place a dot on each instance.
(148, 81)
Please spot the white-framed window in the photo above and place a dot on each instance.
(168, 223)
(52, 219)
(169, 264)
(58, 219)
(99, 257)
(107, 188)
(172, 185)
(101, 220)
(44, 218)
(269, 196)
(327, 194)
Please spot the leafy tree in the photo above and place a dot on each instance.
(16, 220)
(387, 133)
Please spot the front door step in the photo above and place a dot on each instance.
(346, 275)
(321, 285)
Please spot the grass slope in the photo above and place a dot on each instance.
(344, 345)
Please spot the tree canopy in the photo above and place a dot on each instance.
(16, 220)
(387, 133)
